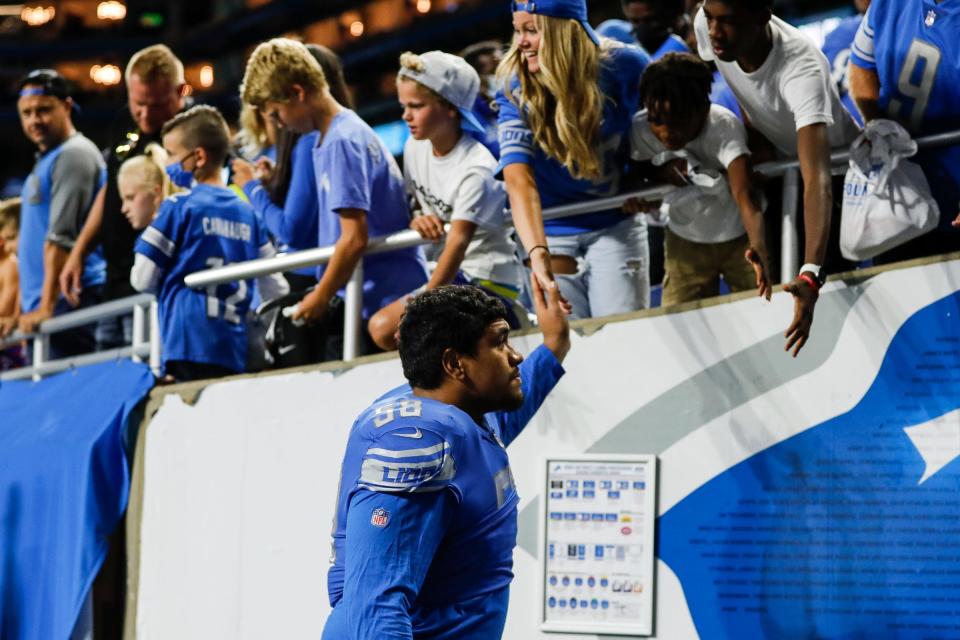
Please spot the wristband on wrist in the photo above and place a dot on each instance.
(810, 281)
(539, 246)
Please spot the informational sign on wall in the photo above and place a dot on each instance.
(596, 544)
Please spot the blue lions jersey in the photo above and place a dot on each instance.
(620, 71)
(914, 48)
(426, 516)
(836, 46)
(204, 228)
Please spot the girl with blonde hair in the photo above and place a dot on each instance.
(143, 184)
(565, 107)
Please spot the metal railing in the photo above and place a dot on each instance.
(145, 344)
(148, 345)
(789, 242)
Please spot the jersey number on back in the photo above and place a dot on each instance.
(920, 54)
(404, 408)
(230, 313)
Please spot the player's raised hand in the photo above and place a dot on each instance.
(551, 316)
(543, 271)
(804, 301)
(762, 271)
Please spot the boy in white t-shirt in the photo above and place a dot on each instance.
(451, 175)
(715, 228)
(783, 84)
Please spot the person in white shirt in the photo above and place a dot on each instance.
(715, 228)
(783, 85)
(451, 176)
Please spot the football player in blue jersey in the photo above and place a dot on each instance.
(905, 65)
(203, 331)
(426, 519)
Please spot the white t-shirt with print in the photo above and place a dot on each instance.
(461, 186)
(712, 217)
(792, 89)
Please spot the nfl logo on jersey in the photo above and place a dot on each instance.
(380, 517)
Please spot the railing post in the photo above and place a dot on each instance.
(138, 331)
(353, 314)
(155, 337)
(789, 244)
(41, 347)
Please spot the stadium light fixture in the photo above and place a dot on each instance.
(108, 74)
(37, 16)
(423, 6)
(356, 28)
(206, 76)
(111, 10)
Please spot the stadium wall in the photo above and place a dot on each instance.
(816, 497)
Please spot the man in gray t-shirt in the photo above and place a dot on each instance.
(56, 199)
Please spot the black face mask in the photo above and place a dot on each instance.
(651, 35)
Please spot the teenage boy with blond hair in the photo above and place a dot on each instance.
(203, 331)
(450, 175)
(359, 185)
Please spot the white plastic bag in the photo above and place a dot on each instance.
(886, 200)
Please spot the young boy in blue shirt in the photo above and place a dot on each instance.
(203, 330)
(360, 188)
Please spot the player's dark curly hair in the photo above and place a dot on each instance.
(677, 85)
(449, 317)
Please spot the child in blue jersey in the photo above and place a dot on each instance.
(905, 65)
(426, 517)
(565, 108)
(360, 188)
(450, 175)
(203, 331)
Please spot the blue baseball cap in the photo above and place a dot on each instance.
(570, 9)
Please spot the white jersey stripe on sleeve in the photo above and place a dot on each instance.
(863, 41)
(153, 237)
(407, 453)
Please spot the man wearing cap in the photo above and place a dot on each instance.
(359, 185)
(450, 175)
(155, 93)
(55, 201)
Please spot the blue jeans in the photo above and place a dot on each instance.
(613, 269)
(115, 332)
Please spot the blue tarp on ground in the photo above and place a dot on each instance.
(64, 483)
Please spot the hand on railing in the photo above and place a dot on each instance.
(430, 227)
(30, 322)
(804, 301)
(8, 325)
